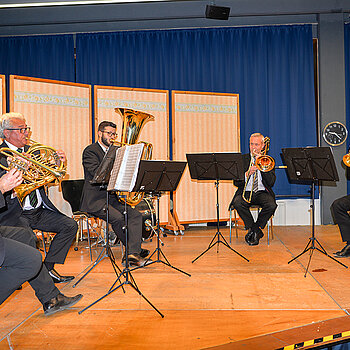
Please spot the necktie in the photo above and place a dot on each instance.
(256, 182)
(33, 199)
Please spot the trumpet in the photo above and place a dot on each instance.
(40, 166)
(263, 162)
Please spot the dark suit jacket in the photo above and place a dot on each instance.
(268, 178)
(93, 198)
(11, 211)
(2, 249)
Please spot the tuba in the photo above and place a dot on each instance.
(263, 162)
(133, 122)
(40, 165)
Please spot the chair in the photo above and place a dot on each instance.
(253, 207)
(72, 191)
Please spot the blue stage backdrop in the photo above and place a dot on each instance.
(42, 56)
(270, 67)
(347, 81)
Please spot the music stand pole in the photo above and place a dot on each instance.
(155, 177)
(106, 252)
(126, 273)
(158, 251)
(311, 245)
(220, 238)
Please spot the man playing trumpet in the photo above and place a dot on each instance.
(36, 211)
(256, 189)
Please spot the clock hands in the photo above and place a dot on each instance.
(334, 133)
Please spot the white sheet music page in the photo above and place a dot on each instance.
(125, 168)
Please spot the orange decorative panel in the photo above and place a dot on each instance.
(203, 123)
(59, 114)
(2, 94)
(154, 102)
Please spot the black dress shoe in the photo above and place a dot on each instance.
(59, 303)
(345, 252)
(257, 234)
(248, 236)
(135, 260)
(57, 278)
(144, 253)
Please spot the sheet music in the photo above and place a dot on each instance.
(125, 168)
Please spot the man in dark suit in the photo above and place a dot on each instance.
(36, 211)
(259, 186)
(21, 262)
(94, 197)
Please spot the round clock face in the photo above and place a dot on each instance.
(335, 133)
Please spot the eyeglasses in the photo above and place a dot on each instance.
(21, 130)
(109, 133)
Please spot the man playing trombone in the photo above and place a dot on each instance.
(36, 211)
(256, 189)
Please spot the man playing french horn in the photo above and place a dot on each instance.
(256, 189)
(36, 210)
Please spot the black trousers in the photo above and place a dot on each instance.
(263, 199)
(42, 283)
(339, 209)
(117, 220)
(52, 221)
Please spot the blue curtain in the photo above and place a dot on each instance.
(347, 82)
(270, 67)
(45, 56)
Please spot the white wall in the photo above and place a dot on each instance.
(296, 212)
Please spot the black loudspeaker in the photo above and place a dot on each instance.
(217, 12)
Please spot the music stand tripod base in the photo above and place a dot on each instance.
(125, 273)
(311, 164)
(216, 166)
(155, 177)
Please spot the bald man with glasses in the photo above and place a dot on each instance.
(36, 211)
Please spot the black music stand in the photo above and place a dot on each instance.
(311, 164)
(102, 177)
(156, 177)
(216, 166)
(126, 273)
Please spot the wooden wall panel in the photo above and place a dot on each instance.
(59, 114)
(2, 94)
(154, 102)
(203, 122)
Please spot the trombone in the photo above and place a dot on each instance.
(346, 159)
(263, 162)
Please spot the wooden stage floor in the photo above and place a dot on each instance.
(227, 303)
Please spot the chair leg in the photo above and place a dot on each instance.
(88, 235)
(230, 223)
(234, 211)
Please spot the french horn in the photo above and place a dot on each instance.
(40, 165)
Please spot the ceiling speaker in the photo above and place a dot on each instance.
(217, 12)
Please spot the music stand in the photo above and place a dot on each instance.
(156, 177)
(101, 177)
(311, 164)
(216, 166)
(126, 273)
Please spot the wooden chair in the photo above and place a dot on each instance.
(253, 207)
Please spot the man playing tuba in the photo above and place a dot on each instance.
(256, 189)
(36, 211)
(94, 197)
